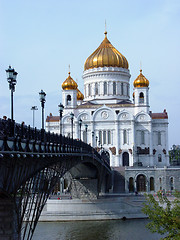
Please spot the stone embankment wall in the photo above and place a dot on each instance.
(101, 209)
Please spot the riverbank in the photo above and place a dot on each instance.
(107, 207)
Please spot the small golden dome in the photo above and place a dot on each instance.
(69, 83)
(141, 81)
(133, 94)
(80, 96)
(106, 55)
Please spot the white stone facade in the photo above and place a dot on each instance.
(126, 129)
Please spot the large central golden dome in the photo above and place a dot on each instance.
(106, 56)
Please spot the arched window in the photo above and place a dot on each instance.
(96, 89)
(105, 88)
(131, 185)
(151, 184)
(141, 97)
(125, 136)
(142, 137)
(159, 138)
(125, 159)
(122, 89)
(114, 88)
(159, 158)
(89, 90)
(68, 100)
(171, 183)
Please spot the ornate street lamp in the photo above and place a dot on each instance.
(72, 118)
(80, 125)
(96, 140)
(42, 98)
(92, 138)
(61, 108)
(86, 127)
(34, 108)
(11, 78)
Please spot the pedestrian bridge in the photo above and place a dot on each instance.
(31, 163)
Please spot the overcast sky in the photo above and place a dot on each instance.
(40, 38)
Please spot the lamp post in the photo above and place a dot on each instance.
(72, 118)
(11, 78)
(42, 98)
(80, 124)
(34, 108)
(96, 140)
(92, 138)
(86, 127)
(61, 107)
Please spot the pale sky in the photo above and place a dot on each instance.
(40, 38)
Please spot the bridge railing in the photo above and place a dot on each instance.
(30, 139)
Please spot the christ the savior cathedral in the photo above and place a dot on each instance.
(106, 118)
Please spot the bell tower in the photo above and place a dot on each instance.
(69, 92)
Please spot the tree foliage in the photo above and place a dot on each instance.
(174, 154)
(164, 215)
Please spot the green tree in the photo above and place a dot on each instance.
(164, 215)
(174, 154)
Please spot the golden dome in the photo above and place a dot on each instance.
(141, 81)
(80, 96)
(106, 56)
(69, 83)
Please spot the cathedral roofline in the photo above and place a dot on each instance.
(162, 115)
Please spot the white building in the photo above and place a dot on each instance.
(127, 130)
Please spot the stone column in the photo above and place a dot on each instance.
(133, 144)
(117, 163)
(151, 146)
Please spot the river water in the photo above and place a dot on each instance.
(95, 230)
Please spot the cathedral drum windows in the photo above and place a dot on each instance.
(89, 90)
(96, 89)
(114, 88)
(105, 88)
(122, 89)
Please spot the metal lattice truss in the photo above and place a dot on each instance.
(31, 163)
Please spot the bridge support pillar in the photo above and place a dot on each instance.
(8, 220)
(84, 188)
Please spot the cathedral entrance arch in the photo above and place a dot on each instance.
(141, 183)
(125, 159)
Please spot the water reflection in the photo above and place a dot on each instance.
(95, 230)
